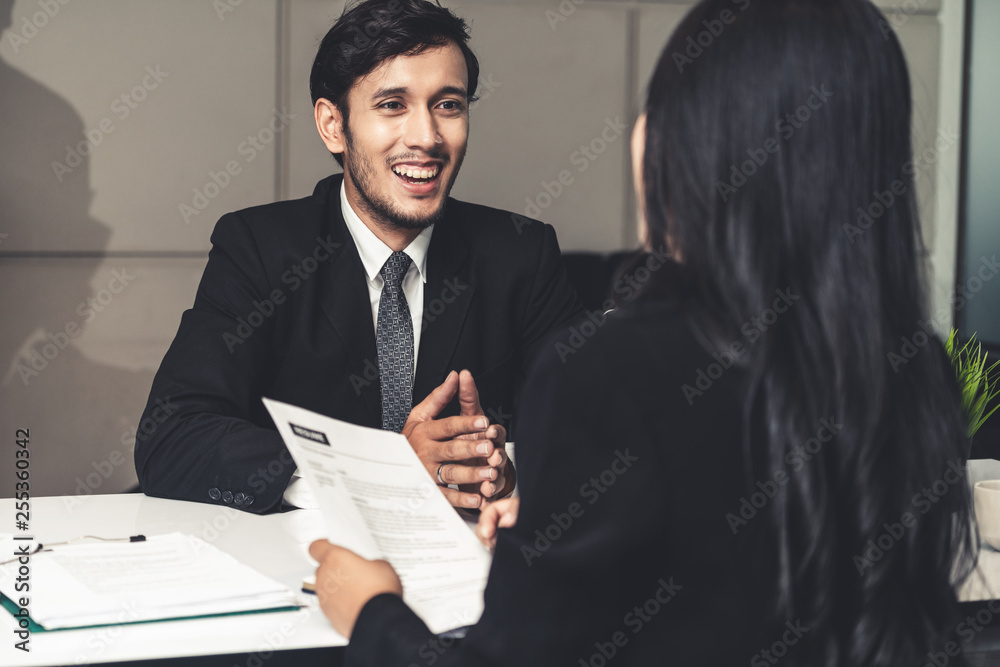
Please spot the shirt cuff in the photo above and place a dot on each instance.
(298, 493)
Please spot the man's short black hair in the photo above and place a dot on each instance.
(371, 32)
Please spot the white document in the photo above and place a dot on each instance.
(378, 500)
(166, 576)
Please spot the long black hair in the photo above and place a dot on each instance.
(778, 159)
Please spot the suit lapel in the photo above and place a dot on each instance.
(344, 300)
(447, 296)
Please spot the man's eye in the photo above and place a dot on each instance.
(451, 105)
(392, 106)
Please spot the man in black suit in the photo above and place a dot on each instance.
(365, 298)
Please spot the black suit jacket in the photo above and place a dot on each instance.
(623, 553)
(283, 311)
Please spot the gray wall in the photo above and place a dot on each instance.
(99, 256)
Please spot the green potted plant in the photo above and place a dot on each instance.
(976, 380)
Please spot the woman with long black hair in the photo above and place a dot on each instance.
(736, 468)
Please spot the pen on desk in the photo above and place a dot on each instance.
(39, 548)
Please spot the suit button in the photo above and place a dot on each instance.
(239, 498)
(248, 500)
(227, 497)
(214, 493)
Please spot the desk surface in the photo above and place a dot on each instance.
(275, 545)
(984, 584)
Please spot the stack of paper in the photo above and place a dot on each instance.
(165, 577)
(378, 500)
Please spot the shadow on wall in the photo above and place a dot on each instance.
(80, 414)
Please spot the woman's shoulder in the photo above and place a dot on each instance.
(623, 332)
(627, 349)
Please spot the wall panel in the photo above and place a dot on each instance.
(556, 77)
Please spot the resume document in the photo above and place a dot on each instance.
(378, 500)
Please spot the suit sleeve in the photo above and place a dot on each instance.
(204, 431)
(557, 578)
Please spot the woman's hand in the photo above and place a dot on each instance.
(500, 514)
(345, 582)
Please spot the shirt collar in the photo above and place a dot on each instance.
(373, 251)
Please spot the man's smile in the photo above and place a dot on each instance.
(419, 177)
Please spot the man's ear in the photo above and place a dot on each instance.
(329, 123)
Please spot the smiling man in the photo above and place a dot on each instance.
(378, 300)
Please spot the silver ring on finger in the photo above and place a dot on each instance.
(441, 481)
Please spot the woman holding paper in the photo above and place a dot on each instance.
(730, 470)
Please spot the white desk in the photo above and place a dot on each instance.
(274, 545)
(984, 584)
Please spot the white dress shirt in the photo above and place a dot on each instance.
(374, 253)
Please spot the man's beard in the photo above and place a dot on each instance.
(381, 208)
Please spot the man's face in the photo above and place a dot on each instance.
(405, 137)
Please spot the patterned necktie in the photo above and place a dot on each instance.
(394, 339)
